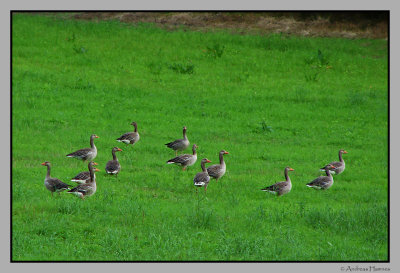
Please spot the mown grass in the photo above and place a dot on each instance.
(271, 101)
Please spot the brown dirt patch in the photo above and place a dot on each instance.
(372, 25)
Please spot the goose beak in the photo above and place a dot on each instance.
(208, 161)
(96, 137)
(345, 152)
(119, 149)
(94, 163)
(290, 169)
(226, 152)
(97, 170)
(43, 164)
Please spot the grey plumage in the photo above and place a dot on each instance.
(323, 182)
(131, 137)
(185, 160)
(53, 184)
(86, 153)
(283, 187)
(202, 179)
(218, 170)
(86, 189)
(113, 166)
(179, 144)
(337, 167)
(83, 177)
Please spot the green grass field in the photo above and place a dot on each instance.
(270, 101)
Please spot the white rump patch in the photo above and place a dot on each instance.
(315, 187)
(78, 181)
(199, 184)
(79, 194)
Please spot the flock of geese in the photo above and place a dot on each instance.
(87, 180)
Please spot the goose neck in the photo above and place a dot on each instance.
(340, 156)
(221, 158)
(328, 173)
(287, 175)
(114, 155)
(92, 142)
(91, 172)
(203, 166)
(48, 171)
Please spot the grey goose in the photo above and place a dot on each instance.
(179, 144)
(53, 184)
(323, 182)
(86, 153)
(113, 166)
(337, 166)
(218, 170)
(202, 178)
(131, 137)
(88, 188)
(283, 187)
(185, 160)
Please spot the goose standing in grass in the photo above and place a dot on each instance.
(83, 177)
(283, 187)
(323, 182)
(53, 184)
(218, 170)
(88, 188)
(185, 160)
(86, 153)
(131, 137)
(179, 144)
(202, 178)
(337, 166)
(113, 166)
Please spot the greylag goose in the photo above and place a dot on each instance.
(113, 166)
(86, 153)
(131, 137)
(88, 188)
(179, 144)
(53, 184)
(218, 170)
(283, 187)
(83, 177)
(323, 182)
(185, 160)
(202, 178)
(337, 166)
